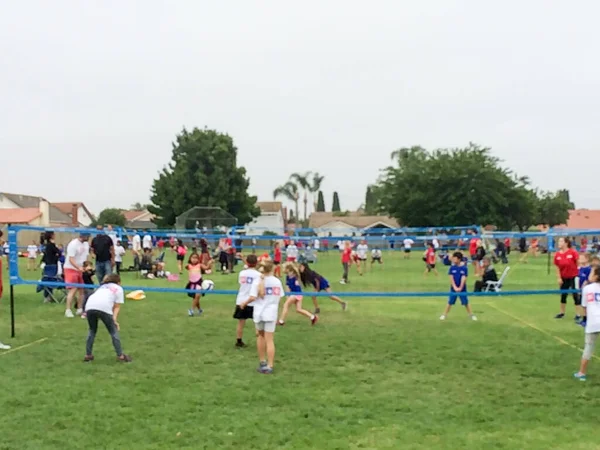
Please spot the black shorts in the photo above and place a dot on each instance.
(407, 250)
(180, 257)
(243, 314)
(362, 259)
(276, 263)
(430, 267)
(375, 259)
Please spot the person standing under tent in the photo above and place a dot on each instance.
(566, 261)
(2, 346)
(103, 249)
(147, 241)
(591, 304)
(77, 254)
(362, 251)
(136, 247)
(408, 243)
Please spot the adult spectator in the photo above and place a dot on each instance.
(104, 249)
(51, 252)
(566, 260)
(136, 248)
(77, 253)
(112, 234)
(147, 241)
(488, 274)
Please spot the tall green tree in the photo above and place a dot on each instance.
(447, 187)
(335, 205)
(554, 208)
(137, 206)
(289, 191)
(371, 206)
(315, 188)
(320, 202)
(110, 216)
(203, 171)
(303, 181)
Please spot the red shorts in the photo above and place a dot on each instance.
(298, 297)
(290, 259)
(73, 276)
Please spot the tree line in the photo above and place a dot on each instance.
(443, 187)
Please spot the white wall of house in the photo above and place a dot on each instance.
(267, 221)
(6, 203)
(336, 228)
(83, 217)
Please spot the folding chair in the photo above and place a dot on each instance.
(496, 286)
(52, 294)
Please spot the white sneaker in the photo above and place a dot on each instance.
(69, 314)
(474, 317)
(342, 282)
(4, 346)
(442, 317)
(79, 311)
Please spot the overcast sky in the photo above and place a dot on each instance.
(93, 93)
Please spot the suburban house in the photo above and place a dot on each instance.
(583, 219)
(271, 219)
(139, 219)
(77, 211)
(344, 224)
(30, 210)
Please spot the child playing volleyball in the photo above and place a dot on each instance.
(292, 281)
(246, 278)
(591, 303)
(311, 278)
(195, 268)
(458, 285)
(266, 295)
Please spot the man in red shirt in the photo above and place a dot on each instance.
(566, 261)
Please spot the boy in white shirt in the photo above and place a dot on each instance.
(246, 279)
(119, 252)
(32, 250)
(408, 243)
(590, 300)
(266, 294)
(104, 305)
(362, 251)
(291, 252)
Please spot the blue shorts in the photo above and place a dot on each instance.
(323, 284)
(464, 300)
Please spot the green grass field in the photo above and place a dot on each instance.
(387, 374)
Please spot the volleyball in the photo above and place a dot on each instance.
(208, 285)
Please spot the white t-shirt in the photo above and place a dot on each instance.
(362, 250)
(291, 251)
(119, 252)
(340, 245)
(436, 243)
(246, 279)
(266, 308)
(375, 253)
(590, 300)
(317, 244)
(136, 243)
(32, 251)
(147, 241)
(113, 238)
(105, 298)
(408, 243)
(77, 250)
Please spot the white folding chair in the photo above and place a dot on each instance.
(496, 286)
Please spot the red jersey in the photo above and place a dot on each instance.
(473, 247)
(229, 243)
(567, 263)
(430, 256)
(346, 255)
(277, 255)
(160, 244)
(507, 242)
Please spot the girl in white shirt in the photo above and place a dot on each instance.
(590, 301)
(104, 305)
(119, 252)
(265, 295)
(246, 278)
(291, 252)
(32, 251)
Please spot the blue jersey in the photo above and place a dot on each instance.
(584, 275)
(457, 272)
(293, 284)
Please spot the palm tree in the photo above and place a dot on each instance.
(315, 187)
(302, 180)
(288, 190)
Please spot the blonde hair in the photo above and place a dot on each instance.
(265, 268)
(291, 267)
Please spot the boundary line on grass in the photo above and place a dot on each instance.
(39, 341)
(547, 333)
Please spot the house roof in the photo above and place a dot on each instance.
(583, 219)
(133, 214)
(353, 219)
(269, 207)
(30, 201)
(65, 207)
(19, 215)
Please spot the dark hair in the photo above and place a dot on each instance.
(47, 236)
(430, 245)
(179, 242)
(308, 276)
(458, 255)
(203, 246)
(567, 241)
(112, 278)
(596, 272)
(194, 253)
(251, 260)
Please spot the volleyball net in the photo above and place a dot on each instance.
(20, 238)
